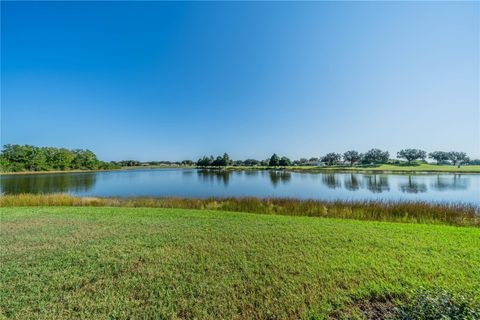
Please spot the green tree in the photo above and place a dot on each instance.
(205, 161)
(187, 163)
(63, 159)
(376, 156)
(439, 156)
(226, 160)
(16, 156)
(457, 158)
(352, 157)
(274, 161)
(27, 157)
(251, 162)
(285, 162)
(411, 154)
(332, 158)
(85, 159)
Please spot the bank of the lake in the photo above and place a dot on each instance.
(84, 262)
(5, 173)
(388, 168)
(382, 168)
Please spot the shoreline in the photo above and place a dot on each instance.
(85, 171)
(381, 169)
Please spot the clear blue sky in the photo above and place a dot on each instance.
(153, 80)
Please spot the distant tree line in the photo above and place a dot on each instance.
(14, 157)
(220, 161)
(351, 157)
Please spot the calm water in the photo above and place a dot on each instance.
(204, 183)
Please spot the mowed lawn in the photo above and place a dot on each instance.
(423, 167)
(74, 262)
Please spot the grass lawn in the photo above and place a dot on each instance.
(419, 167)
(100, 262)
(423, 167)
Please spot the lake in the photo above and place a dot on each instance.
(258, 183)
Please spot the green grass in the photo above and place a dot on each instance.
(399, 168)
(423, 167)
(124, 263)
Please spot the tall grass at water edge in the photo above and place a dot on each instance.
(459, 214)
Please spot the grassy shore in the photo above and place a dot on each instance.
(400, 168)
(99, 263)
(97, 170)
(383, 168)
(459, 214)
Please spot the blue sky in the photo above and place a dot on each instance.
(156, 80)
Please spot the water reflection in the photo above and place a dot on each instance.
(351, 182)
(215, 175)
(279, 176)
(331, 181)
(377, 183)
(251, 173)
(47, 183)
(261, 183)
(413, 186)
(450, 182)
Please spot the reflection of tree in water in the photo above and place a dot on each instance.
(48, 183)
(447, 182)
(331, 181)
(413, 187)
(251, 173)
(187, 172)
(279, 176)
(215, 175)
(351, 182)
(377, 183)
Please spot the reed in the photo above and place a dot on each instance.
(459, 214)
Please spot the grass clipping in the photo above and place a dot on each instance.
(458, 214)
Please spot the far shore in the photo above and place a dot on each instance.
(93, 170)
(383, 168)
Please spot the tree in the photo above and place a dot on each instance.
(205, 161)
(217, 162)
(62, 158)
(26, 157)
(238, 163)
(36, 160)
(439, 156)
(284, 162)
(352, 157)
(85, 159)
(130, 163)
(226, 160)
(375, 156)
(251, 162)
(303, 161)
(274, 161)
(457, 157)
(187, 163)
(411, 154)
(332, 158)
(16, 155)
